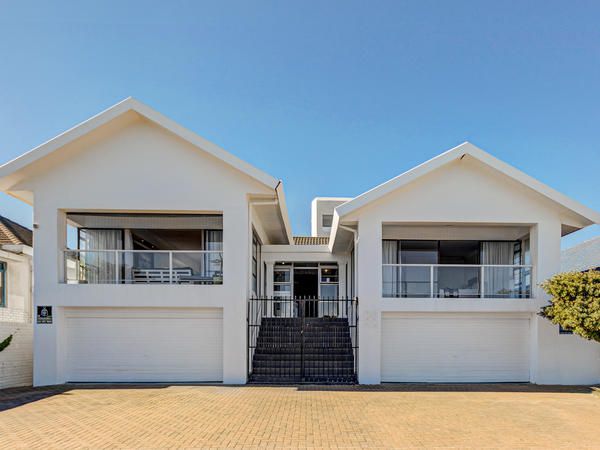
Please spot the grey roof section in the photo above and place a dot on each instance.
(584, 256)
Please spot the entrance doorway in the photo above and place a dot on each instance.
(313, 283)
(306, 286)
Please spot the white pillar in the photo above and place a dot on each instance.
(49, 236)
(369, 281)
(236, 281)
(545, 256)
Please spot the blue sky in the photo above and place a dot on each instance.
(333, 97)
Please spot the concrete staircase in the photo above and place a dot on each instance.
(309, 350)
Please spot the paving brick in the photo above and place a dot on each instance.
(392, 416)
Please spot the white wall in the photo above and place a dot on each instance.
(467, 193)
(16, 361)
(132, 165)
(319, 207)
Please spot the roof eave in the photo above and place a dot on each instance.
(131, 104)
(283, 211)
(457, 152)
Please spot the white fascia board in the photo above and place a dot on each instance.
(467, 148)
(281, 249)
(334, 228)
(283, 211)
(131, 104)
(338, 199)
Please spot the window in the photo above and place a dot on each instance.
(255, 263)
(145, 248)
(327, 220)
(562, 330)
(3, 292)
(282, 282)
(329, 281)
(352, 274)
(453, 268)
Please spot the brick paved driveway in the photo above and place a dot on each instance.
(244, 417)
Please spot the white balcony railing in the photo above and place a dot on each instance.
(457, 281)
(143, 266)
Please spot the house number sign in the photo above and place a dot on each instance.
(44, 314)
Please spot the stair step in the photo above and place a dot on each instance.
(337, 356)
(267, 379)
(292, 372)
(294, 350)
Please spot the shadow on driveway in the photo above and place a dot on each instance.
(15, 397)
(454, 387)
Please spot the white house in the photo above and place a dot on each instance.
(16, 360)
(161, 257)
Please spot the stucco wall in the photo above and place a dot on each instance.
(132, 165)
(468, 193)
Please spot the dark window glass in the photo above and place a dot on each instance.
(329, 275)
(562, 330)
(459, 252)
(418, 252)
(327, 220)
(281, 276)
(3, 292)
(255, 249)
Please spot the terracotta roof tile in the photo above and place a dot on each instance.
(311, 240)
(13, 233)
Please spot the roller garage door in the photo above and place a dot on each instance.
(454, 348)
(143, 344)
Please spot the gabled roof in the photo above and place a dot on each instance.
(584, 256)
(453, 154)
(131, 104)
(12, 233)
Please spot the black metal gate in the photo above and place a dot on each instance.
(302, 340)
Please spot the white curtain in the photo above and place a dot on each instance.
(498, 280)
(100, 266)
(391, 274)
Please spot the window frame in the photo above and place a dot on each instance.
(564, 331)
(329, 220)
(3, 289)
(255, 261)
(283, 295)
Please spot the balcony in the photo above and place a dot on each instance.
(186, 267)
(456, 281)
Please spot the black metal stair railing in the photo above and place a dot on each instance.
(302, 340)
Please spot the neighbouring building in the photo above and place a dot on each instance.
(161, 257)
(16, 360)
(581, 257)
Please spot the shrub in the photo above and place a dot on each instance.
(575, 302)
(6, 342)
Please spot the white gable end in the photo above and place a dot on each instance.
(464, 190)
(133, 163)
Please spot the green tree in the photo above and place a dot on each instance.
(575, 302)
